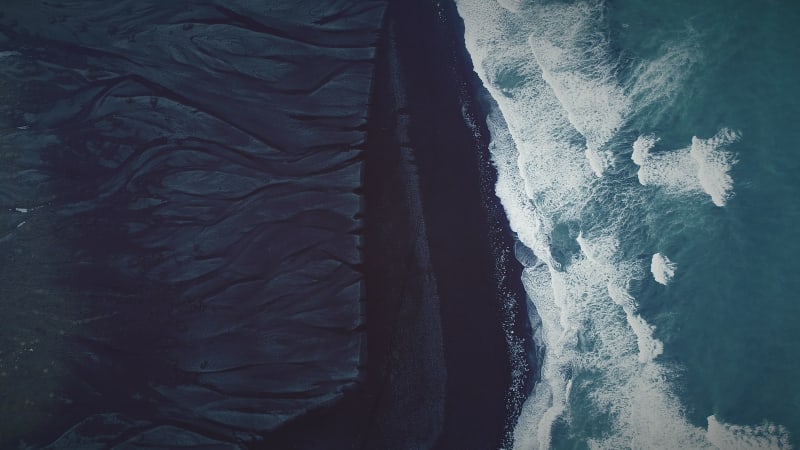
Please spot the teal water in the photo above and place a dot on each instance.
(647, 154)
(730, 318)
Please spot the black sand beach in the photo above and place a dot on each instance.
(239, 244)
(439, 372)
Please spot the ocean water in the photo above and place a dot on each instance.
(647, 156)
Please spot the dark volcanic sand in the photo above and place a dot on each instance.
(438, 371)
(188, 334)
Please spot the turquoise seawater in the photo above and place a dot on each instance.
(647, 154)
(730, 317)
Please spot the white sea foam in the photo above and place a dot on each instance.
(511, 5)
(547, 67)
(641, 148)
(599, 160)
(703, 167)
(649, 347)
(662, 268)
(548, 162)
(548, 400)
(601, 254)
(714, 164)
(573, 57)
(543, 176)
(737, 437)
(618, 348)
(654, 82)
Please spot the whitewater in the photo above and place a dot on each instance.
(589, 168)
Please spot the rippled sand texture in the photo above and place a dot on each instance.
(197, 171)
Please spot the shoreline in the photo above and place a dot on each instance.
(474, 237)
(436, 242)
